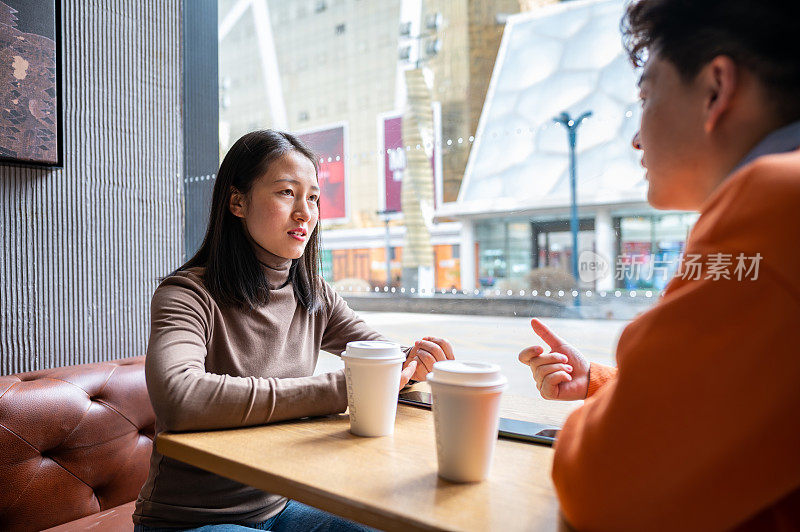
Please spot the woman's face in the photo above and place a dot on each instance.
(281, 210)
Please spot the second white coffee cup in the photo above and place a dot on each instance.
(466, 407)
(372, 370)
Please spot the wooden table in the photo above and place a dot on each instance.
(389, 483)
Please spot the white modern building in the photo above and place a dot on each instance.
(514, 202)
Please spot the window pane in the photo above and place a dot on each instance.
(442, 145)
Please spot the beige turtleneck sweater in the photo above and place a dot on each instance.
(209, 367)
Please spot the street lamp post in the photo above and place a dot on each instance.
(433, 43)
(571, 124)
(572, 127)
(387, 244)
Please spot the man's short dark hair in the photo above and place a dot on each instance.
(760, 35)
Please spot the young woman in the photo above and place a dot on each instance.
(235, 335)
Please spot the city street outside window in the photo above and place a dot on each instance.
(441, 129)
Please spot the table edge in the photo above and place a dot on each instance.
(324, 500)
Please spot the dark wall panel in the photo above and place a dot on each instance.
(201, 135)
(82, 247)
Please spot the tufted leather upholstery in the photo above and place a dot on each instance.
(74, 441)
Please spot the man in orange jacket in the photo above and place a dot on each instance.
(698, 428)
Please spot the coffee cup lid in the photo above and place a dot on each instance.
(475, 374)
(372, 349)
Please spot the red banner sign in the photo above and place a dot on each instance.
(329, 145)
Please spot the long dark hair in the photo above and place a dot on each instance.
(233, 274)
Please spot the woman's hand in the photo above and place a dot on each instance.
(426, 352)
(563, 373)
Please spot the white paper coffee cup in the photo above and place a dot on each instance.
(466, 408)
(372, 371)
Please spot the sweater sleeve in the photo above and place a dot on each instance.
(698, 430)
(187, 397)
(343, 325)
(599, 376)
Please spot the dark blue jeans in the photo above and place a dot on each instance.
(295, 517)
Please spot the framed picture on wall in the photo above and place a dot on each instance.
(30, 84)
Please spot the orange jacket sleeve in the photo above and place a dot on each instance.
(599, 376)
(699, 430)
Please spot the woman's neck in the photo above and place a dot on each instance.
(275, 267)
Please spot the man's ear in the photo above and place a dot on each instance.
(721, 79)
(237, 203)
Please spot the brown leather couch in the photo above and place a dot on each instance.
(74, 446)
